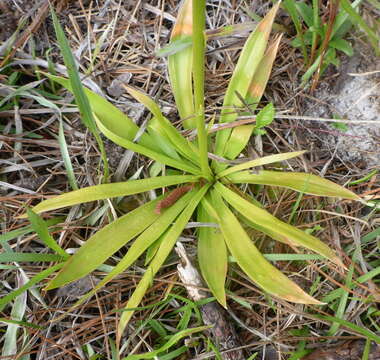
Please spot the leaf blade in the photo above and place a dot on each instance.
(211, 241)
(162, 253)
(105, 191)
(288, 233)
(259, 162)
(252, 261)
(303, 182)
(98, 248)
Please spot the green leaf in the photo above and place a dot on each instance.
(265, 116)
(175, 46)
(359, 21)
(29, 257)
(259, 162)
(164, 125)
(359, 329)
(77, 89)
(171, 341)
(290, 7)
(41, 228)
(106, 191)
(75, 81)
(108, 114)
(157, 156)
(252, 261)
(26, 230)
(342, 45)
(142, 243)
(289, 234)
(162, 253)
(214, 270)
(303, 182)
(248, 62)
(99, 247)
(306, 13)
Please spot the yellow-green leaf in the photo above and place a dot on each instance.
(242, 76)
(212, 256)
(181, 164)
(99, 247)
(260, 78)
(180, 66)
(106, 191)
(108, 114)
(252, 261)
(259, 162)
(164, 126)
(143, 241)
(161, 255)
(303, 182)
(290, 234)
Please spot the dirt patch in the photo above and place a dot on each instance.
(354, 95)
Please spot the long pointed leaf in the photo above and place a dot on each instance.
(180, 66)
(162, 253)
(249, 60)
(252, 261)
(288, 233)
(211, 243)
(108, 114)
(259, 162)
(106, 191)
(142, 242)
(172, 134)
(158, 156)
(303, 182)
(240, 135)
(99, 247)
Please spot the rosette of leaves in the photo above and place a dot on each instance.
(197, 188)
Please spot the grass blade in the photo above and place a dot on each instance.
(10, 337)
(66, 157)
(76, 84)
(358, 20)
(171, 341)
(33, 281)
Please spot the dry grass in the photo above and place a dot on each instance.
(31, 169)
